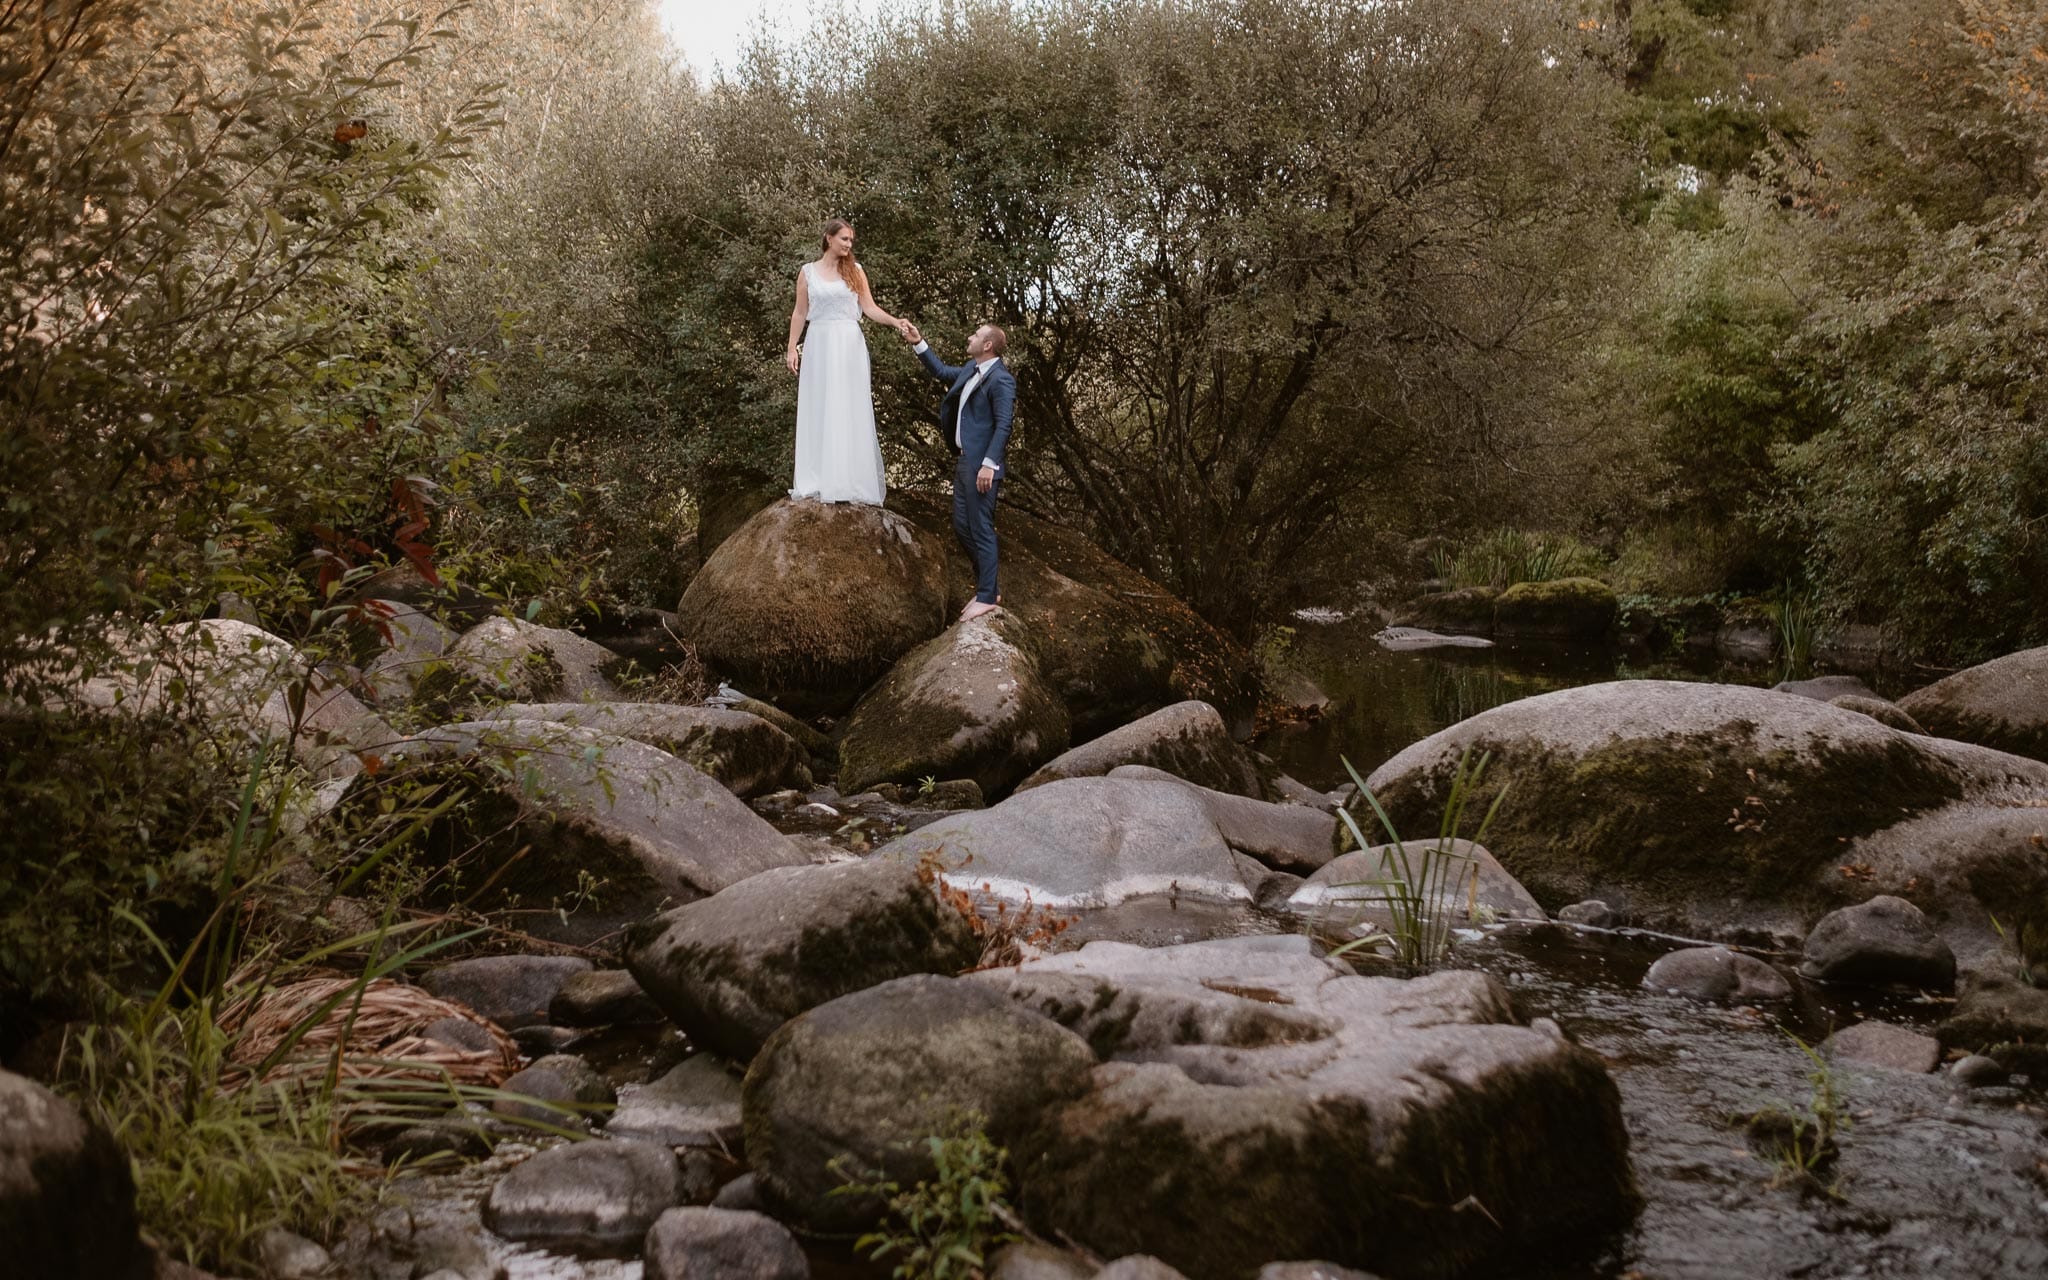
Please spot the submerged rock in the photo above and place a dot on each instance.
(1188, 740)
(1716, 974)
(1885, 941)
(969, 704)
(67, 1197)
(1720, 806)
(864, 1080)
(2001, 704)
(731, 969)
(1256, 1101)
(808, 603)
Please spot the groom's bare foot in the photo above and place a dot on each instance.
(976, 609)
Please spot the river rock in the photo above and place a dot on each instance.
(722, 1244)
(808, 603)
(1592, 913)
(1113, 645)
(512, 991)
(408, 644)
(1083, 843)
(1881, 1044)
(601, 998)
(743, 1192)
(866, 1078)
(1716, 974)
(596, 1197)
(2001, 704)
(1998, 1015)
(1885, 941)
(243, 680)
(646, 825)
(1978, 1072)
(1473, 884)
(67, 1198)
(1826, 688)
(696, 1104)
(288, 1256)
(1255, 1100)
(744, 752)
(1410, 639)
(518, 661)
(1036, 1260)
(1561, 609)
(731, 969)
(565, 1090)
(1288, 837)
(969, 704)
(1138, 1266)
(1187, 739)
(1720, 806)
(1465, 610)
(1885, 713)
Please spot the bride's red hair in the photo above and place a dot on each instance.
(848, 267)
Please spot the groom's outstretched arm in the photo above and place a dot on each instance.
(934, 366)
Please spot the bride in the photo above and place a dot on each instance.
(837, 456)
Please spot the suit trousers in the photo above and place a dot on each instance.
(974, 522)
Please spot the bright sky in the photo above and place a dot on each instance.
(711, 32)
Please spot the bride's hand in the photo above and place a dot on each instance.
(790, 358)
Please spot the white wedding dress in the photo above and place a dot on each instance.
(837, 456)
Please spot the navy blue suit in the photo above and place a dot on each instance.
(978, 431)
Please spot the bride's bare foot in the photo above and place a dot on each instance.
(976, 609)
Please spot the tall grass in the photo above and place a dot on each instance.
(1419, 883)
(1503, 557)
(1797, 613)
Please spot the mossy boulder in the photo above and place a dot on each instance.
(1187, 739)
(731, 969)
(970, 703)
(1561, 609)
(557, 815)
(1113, 644)
(855, 1087)
(744, 752)
(506, 658)
(2001, 704)
(808, 603)
(1462, 611)
(1256, 1101)
(1727, 807)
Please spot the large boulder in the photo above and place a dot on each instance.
(2002, 704)
(852, 1089)
(1256, 1101)
(559, 811)
(407, 644)
(1722, 806)
(807, 603)
(731, 969)
(241, 679)
(1295, 838)
(67, 1198)
(745, 752)
(1085, 843)
(1187, 739)
(1561, 609)
(970, 703)
(1113, 643)
(517, 661)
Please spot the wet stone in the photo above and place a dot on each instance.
(565, 1090)
(1880, 1044)
(1978, 1072)
(722, 1244)
(542, 1040)
(742, 1192)
(1716, 974)
(586, 1197)
(512, 991)
(695, 1105)
(460, 1033)
(464, 1140)
(1885, 941)
(1592, 912)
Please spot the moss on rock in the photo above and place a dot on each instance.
(1561, 609)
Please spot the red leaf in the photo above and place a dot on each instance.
(422, 557)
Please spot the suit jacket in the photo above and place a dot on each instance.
(983, 428)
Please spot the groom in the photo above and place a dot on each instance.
(975, 420)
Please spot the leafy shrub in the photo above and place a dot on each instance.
(1504, 557)
(944, 1227)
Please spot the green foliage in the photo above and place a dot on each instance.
(1418, 888)
(1504, 557)
(944, 1227)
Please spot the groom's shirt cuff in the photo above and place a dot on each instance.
(990, 465)
(922, 347)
